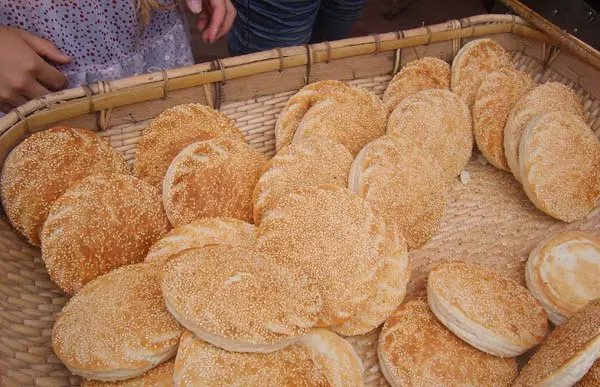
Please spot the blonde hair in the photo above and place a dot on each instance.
(146, 7)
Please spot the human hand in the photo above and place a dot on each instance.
(24, 72)
(215, 17)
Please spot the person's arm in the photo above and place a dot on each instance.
(25, 73)
(215, 17)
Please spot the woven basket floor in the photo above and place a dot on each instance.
(489, 220)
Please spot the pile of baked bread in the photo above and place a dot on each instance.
(210, 265)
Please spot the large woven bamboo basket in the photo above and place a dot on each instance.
(489, 219)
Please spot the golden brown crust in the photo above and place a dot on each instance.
(488, 304)
(439, 122)
(212, 178)
(338, 242)
(563, 273)
(310, 162)
(498, 92)
(99, 224)
(201, 233)
(218, 292)
(420, 74)
(564, 346)
(559, 160)
(473, 62)
(403, 184)
(43, 166)
(366, 120)
(551, 96)
(159, 376)
(415, 349)
(117, 327)
(174, 129)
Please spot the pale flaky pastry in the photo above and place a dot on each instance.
(471, 65)
(201, 233)
(101, 223)
(404, 184)
(117, 326)
(212, 178)
(439, 122)
(319, 359)
(563, 273)
(568, 353)
(333, 236)
(487, 310)
(498, 92)
(311, 162)
(545, 98)
(420, 74)
(559, 161)
(239, 299)
(349, 115)
(159, 376)
(174, 129)
(43, 166)
(392, 281)
(415, 349)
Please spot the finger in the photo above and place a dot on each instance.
(50, 77)
(229, 19)
(202, 20)
(44, 48)
(216, 19)
(194, 5)
(5, 107)
(16, 99)
(34, 90)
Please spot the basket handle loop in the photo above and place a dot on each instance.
(550, 53)
(280, 53)
(429, 38)
(377, 39)
(327, 51)
(456, 41)
(23, 119)
(309, 63)
(165, 85)
(398, 55)
(103, 119)
(88, 92)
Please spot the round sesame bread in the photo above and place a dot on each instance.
(392, 280)
(592, 378)
(320, 359)
(487, 310)
(403, 184)
(559, 161)
(201, 233)
(439, 122)
(239, 299)
(415, 349)
(336, 238)
(367, 120)
(42, 167)
(117, 326)
(350, 123)
(568, 353)
(471, 65)
(420, 74)
(548, 97)
(311, 162)
(159, 376)
(100, 223)
(212, 178)
(174, 129)
(563, 273)
(498, 92)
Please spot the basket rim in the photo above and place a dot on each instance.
(65, 104)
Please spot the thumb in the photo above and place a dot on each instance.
(44, 48)
(194, 5)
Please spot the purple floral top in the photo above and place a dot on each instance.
(104, 37)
